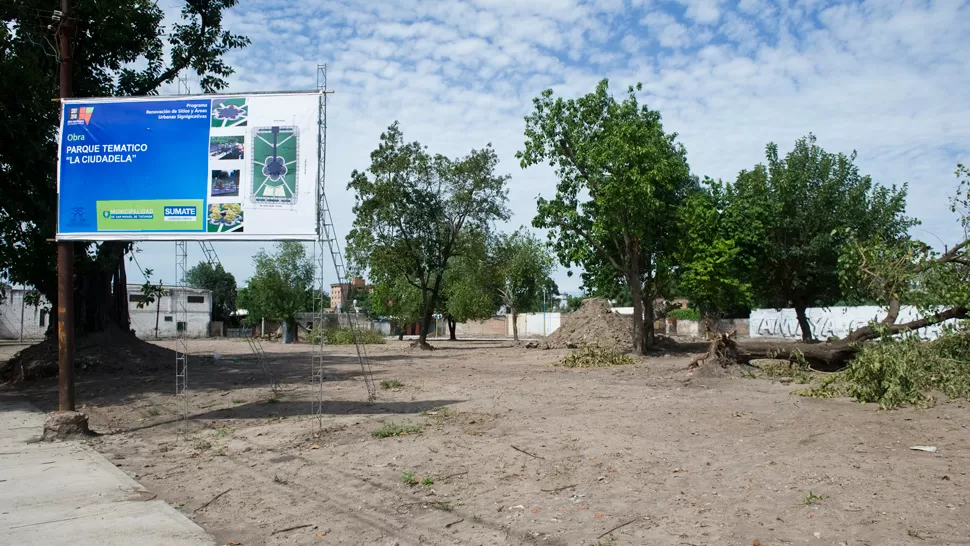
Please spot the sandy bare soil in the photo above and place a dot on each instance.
(520, 452)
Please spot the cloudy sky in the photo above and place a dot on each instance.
(888, 78)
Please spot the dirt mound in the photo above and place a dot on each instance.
(114, 351)
(594, 323)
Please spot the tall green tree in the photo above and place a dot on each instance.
(396, 298)
(794, 216)
(712, 270)
(413, 211)
(222, 284)
(120, 48)
(282, 285)
(622, 181)
(472, 283)
(525, 268)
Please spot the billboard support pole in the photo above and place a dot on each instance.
(65, 249)
(178, 297)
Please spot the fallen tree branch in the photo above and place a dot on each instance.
(867, 332)
(294, 528)
(527, 453)
(212, 500)
(618, 527)
(448, 525)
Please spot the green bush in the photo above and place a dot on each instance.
(906, 371)
(345, 336)
(684, 314)
(594, 356)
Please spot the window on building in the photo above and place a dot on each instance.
(136, 298)
(43, 317)
(180, 326)
(168, 318)
(196, 299)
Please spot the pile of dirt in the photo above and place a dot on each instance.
(594, 323)
(114, 351)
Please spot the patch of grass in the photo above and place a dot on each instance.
(178, 505)
(222, 432)
(345, 336)
(594, 356)
(273, 401)
(444, 506)
(202, 445)
(427, 481)
(391, 384)
(906, 371)
(608, 541)
(279, 480)
(395, 429)
(794, 372)
(154, 411)
(812, 498)
(238, 401)
(407, 478)
(221, 452)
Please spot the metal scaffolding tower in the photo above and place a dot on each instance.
(327, 242)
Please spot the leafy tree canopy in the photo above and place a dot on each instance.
(793, 217)
(222, 284)
(525, 266)
(282, 285)
(414, 211)
(712, 269)
(622, 180)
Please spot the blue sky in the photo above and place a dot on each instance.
(888, 78)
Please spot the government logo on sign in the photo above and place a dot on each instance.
(76, 116)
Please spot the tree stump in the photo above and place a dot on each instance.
(67, 425)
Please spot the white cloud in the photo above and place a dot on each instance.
(888, 78)
(702, 11)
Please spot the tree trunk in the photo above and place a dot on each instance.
(515, 323)
(452, 325)
(649, 335)
(422, 342)
(101, 290)
(639, 333)
(803, 324)
(725, 350)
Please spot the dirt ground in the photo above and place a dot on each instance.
(520, 452)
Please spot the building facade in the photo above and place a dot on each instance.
(24, 321)
(340, 293)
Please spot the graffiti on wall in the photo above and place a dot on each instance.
(835, 322)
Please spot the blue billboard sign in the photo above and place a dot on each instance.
(200, 167)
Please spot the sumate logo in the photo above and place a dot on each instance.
(180, 214)
(76, 116)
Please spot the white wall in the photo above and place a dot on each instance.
(198, 314)
(22, 321)
(827, 322)
(142, 320)
(535, 324)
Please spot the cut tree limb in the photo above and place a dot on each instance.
(867, 332)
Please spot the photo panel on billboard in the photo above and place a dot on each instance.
(239, 167)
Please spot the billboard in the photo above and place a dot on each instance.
(240, 167)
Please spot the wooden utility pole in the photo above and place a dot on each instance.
(65, 249)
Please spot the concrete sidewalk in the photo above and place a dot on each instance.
(66, 493)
